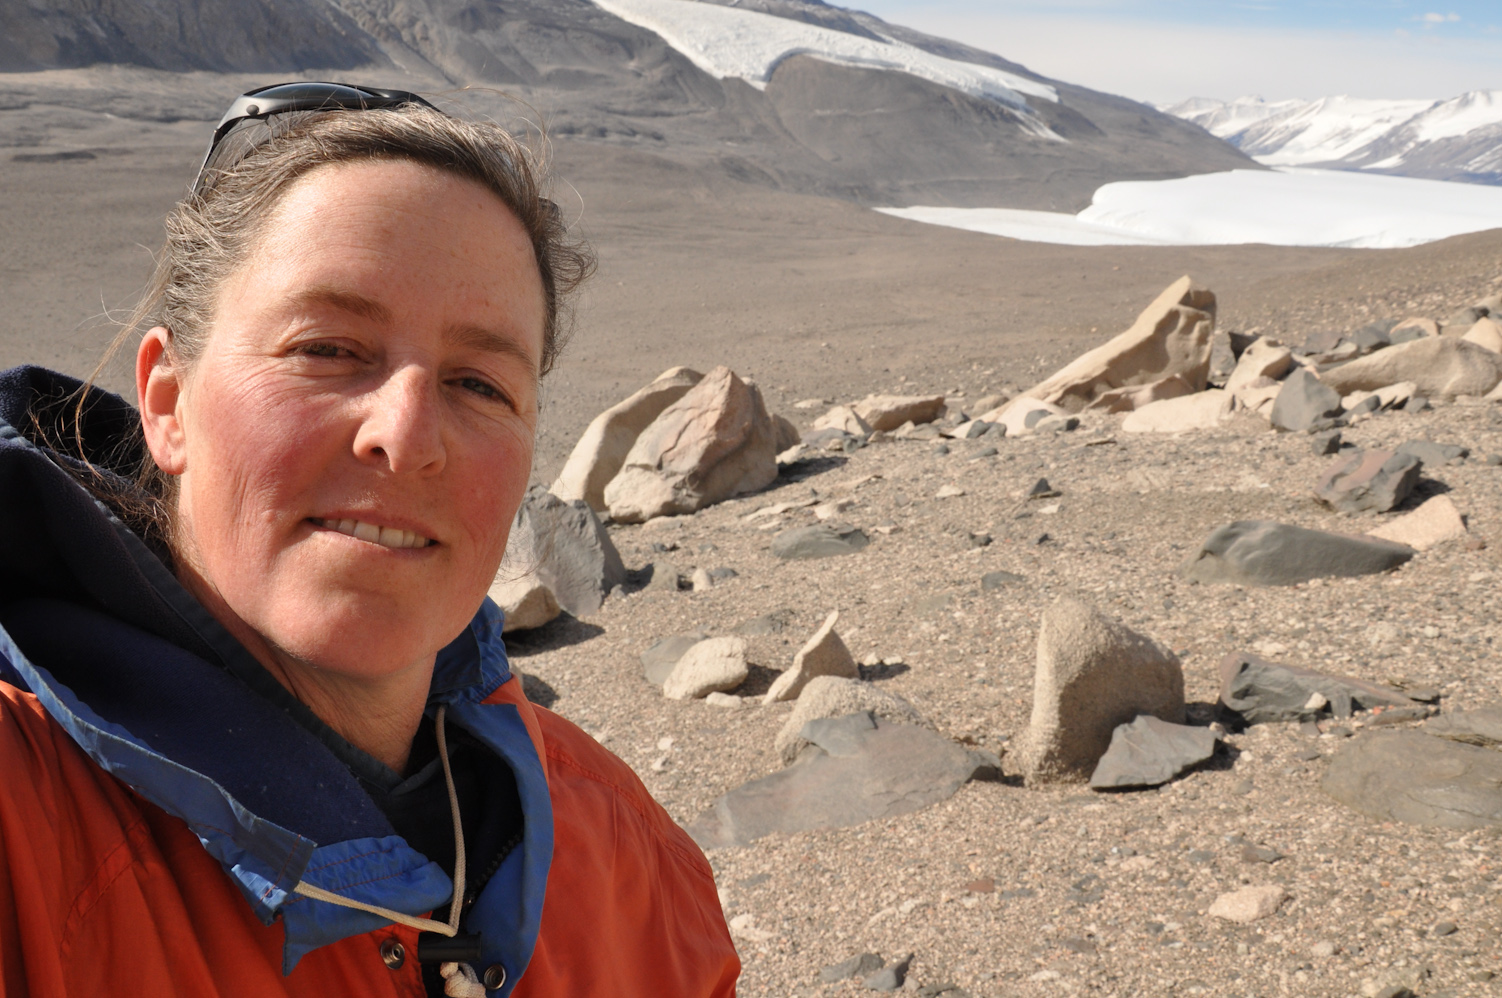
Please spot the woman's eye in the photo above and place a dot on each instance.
(480, 388)
(321, 350)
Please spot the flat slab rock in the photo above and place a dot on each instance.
(1149, 751)
(1265, 692)
(858, 769)
(821, 540)
(1266, 553)
(1418, 779)
(1482, 726)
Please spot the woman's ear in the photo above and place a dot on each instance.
(159, 394)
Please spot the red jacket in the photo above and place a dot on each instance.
(104, 894)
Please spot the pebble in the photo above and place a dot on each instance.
(891, 977)
(1444, 929)
(1323, 950)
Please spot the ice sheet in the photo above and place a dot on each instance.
(1289, 207)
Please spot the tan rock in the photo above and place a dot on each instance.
(1201, 411)
(836, 696)
(1487, 332)
(1439, 367)
(824, 654)
(1258, 397)
(1393, 396)
(787, 435)
(1435, 521)
(1017, 416)
(525, 600)
(1248, 904)
(1137, 396)
(842, 417)
(714, 665)
(1427, 326)
(715, 442)
(1172, 336)
(603, 447)
(887, 412)
(1265, 358)
(1092, 675)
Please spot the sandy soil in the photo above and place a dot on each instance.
(818, 298)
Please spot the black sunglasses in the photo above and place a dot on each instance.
(263, 102)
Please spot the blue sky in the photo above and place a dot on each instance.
(1166, 50)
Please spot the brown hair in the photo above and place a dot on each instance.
(211, 232)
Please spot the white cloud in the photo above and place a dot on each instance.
(1166, 63)
(1433, 18)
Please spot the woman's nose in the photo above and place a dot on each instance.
(402, 425)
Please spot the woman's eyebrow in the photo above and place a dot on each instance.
(340, 298)
(489, 341)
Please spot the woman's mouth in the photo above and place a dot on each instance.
(391, 537)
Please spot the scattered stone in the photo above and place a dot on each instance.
(1435, 521)
(714, 665)
(1439, 367)
(657, 661)
(1014, 418)
(1435, 455)
(602, 449)
(1170, 338)
(1248, 904)
(1413, 328)
(985, 885)
(844, 419)
(715, 442)
(785, 435)
(887, 412)
(824, 654)
(766, 624)
(1442, 929)
(699, 581)
(1463, 319)
(1149, 751)
(861, 965)
(992, 581)
(1304, 403)
(891, 977)
(821, 540)
(561, 547)
(727, 700)
(1201, 411)
(665, 577)
(1057, 424)
(1482, 726)
(949, 492)
(1042, 490)
(1264, 553)
(1375, 480)
(971, 430)
(1259, 854)
(1265, 692)
(1322, 950)
(1415, 778)
(1327, 442)
(1092, 675)
(895, 769)
(833, 696)
(1265, 358)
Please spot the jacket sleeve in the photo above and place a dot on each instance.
(631, 907)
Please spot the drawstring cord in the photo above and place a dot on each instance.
(449, 928)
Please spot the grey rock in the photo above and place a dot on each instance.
(1327, 442)
(891, 977)
(1435, 455)
(1265, 692)
(1416, 403)
(1259, 854)
(561, 547)
(949, 988)
(1399, 715)
(820, 540)
(1365, 407)
(992, 581)
(1057, 424)
(1370, 481)
(765, 625)
(657, 661)
(860, 965)
(1373, 336)
(842, 737)
(1482, 726)
(1303, 401)
(833, 697)
(1442, 929)
(1092, 675)
(665, 577)
(1042, 490)
(1149, 751)
(895, 769)
(1406, 335)
(1264, 553)
(1034, 417)
(1418, 779)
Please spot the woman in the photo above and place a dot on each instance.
(259, 733)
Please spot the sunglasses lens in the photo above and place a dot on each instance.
(311, 94)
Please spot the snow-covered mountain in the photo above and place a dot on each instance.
(1456, 139)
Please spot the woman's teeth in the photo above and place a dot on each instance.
(389, 537)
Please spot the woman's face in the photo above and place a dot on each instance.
(356, 436)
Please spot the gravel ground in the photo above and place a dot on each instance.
(1010, 891)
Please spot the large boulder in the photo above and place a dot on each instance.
(600, 452)
(1201, 411)
(887, 412)
(559, 548)
(835, 696)
(859, 769)
(1264, 553)
(1418, 779)
(1171, 337)
(1440, 367)
(1092, 675)
(715, 442)
(824, 654)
